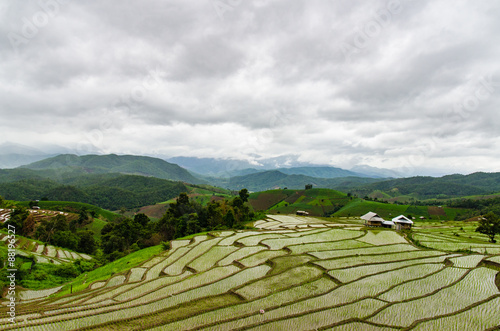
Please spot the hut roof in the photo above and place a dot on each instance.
(402, 219)
(368, 216)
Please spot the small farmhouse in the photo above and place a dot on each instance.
(402, 222)
(302, 213)
(373, 219)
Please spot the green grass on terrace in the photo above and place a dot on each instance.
(360, 207)
(103, 273)
(96, 227)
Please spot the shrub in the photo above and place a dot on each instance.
(134, 247)
(67, 270)
(165, 245)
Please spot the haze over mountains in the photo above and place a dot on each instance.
(116, 181)
(88, 170)
(13, 155)
(287, 164)
(123, 164)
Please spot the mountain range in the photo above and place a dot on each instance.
(93, 171)
(288, 164)
(122, 164)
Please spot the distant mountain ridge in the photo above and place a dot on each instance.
(13, 160)
(430, 187)
(287, 164)
(273, 179)
(321, 172)
(112, 163)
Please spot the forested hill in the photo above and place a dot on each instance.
(124, 164)
(109, 191)
(273, 179)
(321, 172)
(440, 187)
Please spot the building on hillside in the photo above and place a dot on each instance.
(402, 222)
(373, 219)
(301, 213)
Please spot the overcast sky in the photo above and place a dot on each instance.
(391, 84)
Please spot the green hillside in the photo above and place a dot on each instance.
(326, 202)
(318, 202)
(124, 164)
(109, 191)
(320, 172)
(202, 194)
(479, 183)
(274, 179)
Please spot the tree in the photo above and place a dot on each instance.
(193, 225)
(83, 216)
(60, 223)
(86, 242)
(229, 219)
(237, 202)
(29, 225)
(17, 217)
(244, 195)
(489, 225)
(215, 214)
(183, 199)
(113, 244)
(141, 219)
(65, 239)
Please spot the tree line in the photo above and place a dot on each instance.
(124, 235)
(184, 217)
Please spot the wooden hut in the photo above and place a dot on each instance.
(402, 222)
(373, 219)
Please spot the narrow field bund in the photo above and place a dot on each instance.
(481, 317)
(327, 246)
(347, 275)
(478, 285)
(236, 312)
(425, 286)
(351, 261)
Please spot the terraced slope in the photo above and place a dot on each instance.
(454, 236)
(44, 253)
(294, 273)
(37, 214)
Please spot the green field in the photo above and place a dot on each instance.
(454, 236)
(326, 202)
(204, 194)
(291, 273)
(317, 202)
(105, 272)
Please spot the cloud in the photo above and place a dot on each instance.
(386, 83)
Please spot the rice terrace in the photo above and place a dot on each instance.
(290, 273)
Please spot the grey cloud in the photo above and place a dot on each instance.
(274, 74)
